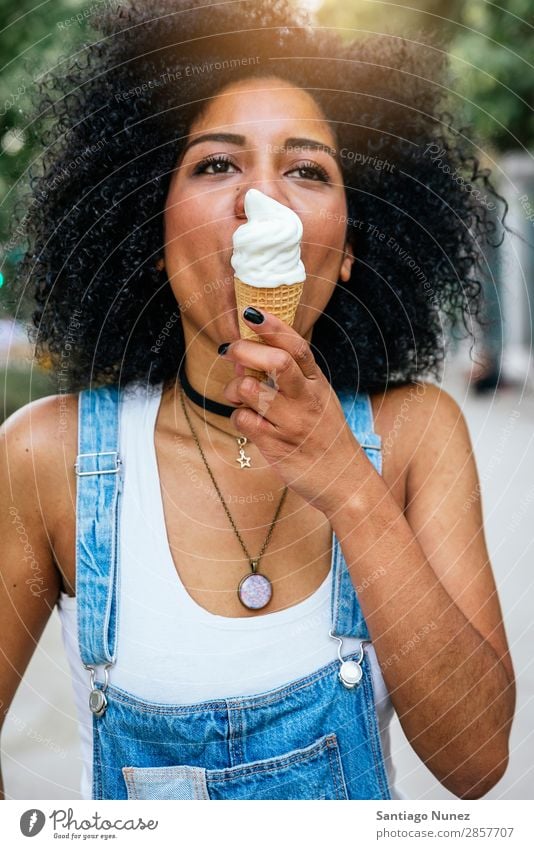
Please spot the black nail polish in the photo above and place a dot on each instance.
(253, 315)
(222, 349)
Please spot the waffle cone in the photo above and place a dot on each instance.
(281, 301)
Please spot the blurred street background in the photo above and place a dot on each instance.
(492, 51)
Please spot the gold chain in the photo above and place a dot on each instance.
(265, 544)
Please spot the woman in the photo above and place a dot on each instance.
(346, 481)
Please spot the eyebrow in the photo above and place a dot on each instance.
(233, 138)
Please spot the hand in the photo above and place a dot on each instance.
(298, 422)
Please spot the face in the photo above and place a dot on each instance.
(205, 203)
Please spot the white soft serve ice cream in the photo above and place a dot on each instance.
(267, 248)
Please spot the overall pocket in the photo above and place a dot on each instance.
(313, 772)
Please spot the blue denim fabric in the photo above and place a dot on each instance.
(313, 738)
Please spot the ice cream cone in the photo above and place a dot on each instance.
(281, 301)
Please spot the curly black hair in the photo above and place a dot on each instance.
(115, 118)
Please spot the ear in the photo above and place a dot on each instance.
(346, 265)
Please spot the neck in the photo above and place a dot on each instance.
(202, 401)
(198, 414)
(208, 374)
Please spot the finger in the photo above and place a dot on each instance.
(280, 368)
(254, 394)
(252, 425)
(279, 334)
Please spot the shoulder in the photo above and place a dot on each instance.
(417, 419)
(411, 398)
(414, 402)
(436, 418)
(37, 443)
(42, 425)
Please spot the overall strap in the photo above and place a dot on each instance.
(99, 482)
(347, 617)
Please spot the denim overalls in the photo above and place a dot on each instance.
(316, 737)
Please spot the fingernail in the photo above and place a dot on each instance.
(222, 349)
(253, 315)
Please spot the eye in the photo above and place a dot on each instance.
(206, 163)
(220, 164)
(312, 168)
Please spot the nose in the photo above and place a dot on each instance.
(271, 185)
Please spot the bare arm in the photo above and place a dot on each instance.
(29, 580)
(433, 612)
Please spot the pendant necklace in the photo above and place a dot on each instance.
(219, 409)
(255, 589)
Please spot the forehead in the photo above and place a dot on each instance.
(264, 106)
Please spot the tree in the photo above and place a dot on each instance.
(33, 37)
(491, 48)
(386, 16)
(493, 55)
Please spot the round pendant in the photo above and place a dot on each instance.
(254, 591)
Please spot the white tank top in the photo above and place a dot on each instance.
(169, 648)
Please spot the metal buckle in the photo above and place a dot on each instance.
(118, 463)
(350, 671)
(97, 698)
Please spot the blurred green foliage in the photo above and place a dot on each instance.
(20, 385)
(493, 55)
(33, 37)
(362, 16)
(491, 47)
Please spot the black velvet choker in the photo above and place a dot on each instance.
(201, 400)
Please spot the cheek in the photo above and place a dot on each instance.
(196, 237)
(184, 212)
(180, 221)
(189, 239)
(325, 244)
